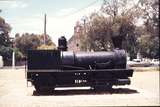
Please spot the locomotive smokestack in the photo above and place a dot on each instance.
(62, 44)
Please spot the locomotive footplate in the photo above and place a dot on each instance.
(80, 77)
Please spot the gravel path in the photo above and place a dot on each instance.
(144, 91)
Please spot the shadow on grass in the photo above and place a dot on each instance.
(86, 92)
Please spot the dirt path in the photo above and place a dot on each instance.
(144, 90)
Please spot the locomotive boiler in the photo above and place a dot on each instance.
(48, 69)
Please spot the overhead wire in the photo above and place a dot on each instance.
(92, 3)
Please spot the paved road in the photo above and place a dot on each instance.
(144, 90)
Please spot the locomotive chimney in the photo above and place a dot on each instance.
(62, 44)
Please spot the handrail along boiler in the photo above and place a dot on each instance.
(48, 69)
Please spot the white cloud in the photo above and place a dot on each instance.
(24, 5)
(18, 4)
(13, 4)
(65, 11)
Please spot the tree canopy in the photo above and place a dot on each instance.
(32, 41)
(149, 41)
(119, 18)
(5, 42)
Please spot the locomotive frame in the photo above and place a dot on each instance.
(46, 78)
(48, 69)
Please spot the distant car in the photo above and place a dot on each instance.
(155, 62)
(137, 60)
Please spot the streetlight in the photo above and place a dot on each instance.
(84, 19)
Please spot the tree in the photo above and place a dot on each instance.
(124, 14)
(149, 46)
(32, 41)
(4, 33)
(6, 52)
(115, 19)
(27, 41)
(149, 41)
(98, 31)
(48, 43)
(5, 42)
(46, 47)
(5, 28)
(129, 8)
(48, 40)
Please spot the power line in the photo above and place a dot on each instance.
(80, 9)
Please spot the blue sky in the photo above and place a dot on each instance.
(28, 15)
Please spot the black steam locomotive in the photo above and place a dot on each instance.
(48, 69)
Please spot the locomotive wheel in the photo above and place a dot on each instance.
(43, 84)
(41, 89)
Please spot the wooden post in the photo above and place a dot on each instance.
(44, 29)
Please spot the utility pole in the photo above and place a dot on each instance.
(84, 18)
(44, 29)
(13, 60)
(13, 53)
